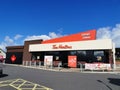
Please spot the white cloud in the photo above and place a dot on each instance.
(36, 37)
(103, 33)
(3, 45)
(54, 35)
(18, 36)
(111, 33)
(44, 37)
(9, 41)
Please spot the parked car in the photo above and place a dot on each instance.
(1, 71)
(2, 60)
(1, 68)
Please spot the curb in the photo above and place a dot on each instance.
(65, 70)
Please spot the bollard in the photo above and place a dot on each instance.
(39, 64)
(103, 70)
(30, 63)
(3, 61)
(51, 66)
(26, 63)
(35, 64)
(23, 63)
(59, 66)
(80, 67)
(45, 66)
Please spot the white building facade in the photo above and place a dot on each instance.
(91, 51)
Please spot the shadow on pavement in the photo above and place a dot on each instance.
(105, 84)
(3, 75)
(115, 81)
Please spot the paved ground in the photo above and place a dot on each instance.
(21, 84)
(22, 78)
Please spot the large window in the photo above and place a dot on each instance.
(72, 52)
(81, 56)
(99, 55)
(81, 53)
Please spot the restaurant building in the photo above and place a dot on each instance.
(71, 50)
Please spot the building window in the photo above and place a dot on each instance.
(73, 52)
(99, 55)
(81, 53)
(81, 56)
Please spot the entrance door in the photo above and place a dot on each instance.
(64, 58)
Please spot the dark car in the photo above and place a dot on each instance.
(1, 68)
(1, 71)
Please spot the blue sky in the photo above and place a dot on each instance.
(33, 19)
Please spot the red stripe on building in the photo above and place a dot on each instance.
(88, 35)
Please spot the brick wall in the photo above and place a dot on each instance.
(26, 53)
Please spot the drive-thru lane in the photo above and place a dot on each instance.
(20, 78)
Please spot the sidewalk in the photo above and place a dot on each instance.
(60, 69)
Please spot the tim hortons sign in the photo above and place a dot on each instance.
(60, 46)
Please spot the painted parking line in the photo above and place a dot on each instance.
(21, 84)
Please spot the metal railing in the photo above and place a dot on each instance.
(81, 67)
(41, 64)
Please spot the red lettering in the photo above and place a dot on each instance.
(62, 47)
(55, 47)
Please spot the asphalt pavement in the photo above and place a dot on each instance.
(23, 78)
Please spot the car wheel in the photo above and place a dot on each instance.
(1, 72)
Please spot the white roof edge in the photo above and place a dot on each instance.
(76, 45)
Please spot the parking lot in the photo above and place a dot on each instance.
(21, 84)
(24, 78)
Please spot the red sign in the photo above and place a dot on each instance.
(82, 36)
(86, 35)
(62, 46)
(13, 58)
(72, 61)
